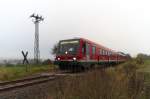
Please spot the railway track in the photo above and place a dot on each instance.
(30, 81)
(10, 85)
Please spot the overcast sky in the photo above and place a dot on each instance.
(122, 25)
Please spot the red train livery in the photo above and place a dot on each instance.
(80, 53)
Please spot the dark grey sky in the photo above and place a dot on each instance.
(122, 25)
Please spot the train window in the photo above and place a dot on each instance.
(71, 46)
(71, 49)
(93, 50)
(109, 53)
(87, 49)
(103, 52)
(106, 53)
(100, 51)
(83, 49)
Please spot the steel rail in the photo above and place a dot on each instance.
(20, 83)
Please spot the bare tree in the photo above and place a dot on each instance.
(54, 49)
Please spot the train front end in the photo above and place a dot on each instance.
(68, 54)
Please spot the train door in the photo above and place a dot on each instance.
(84, 49)
(93, 52)
(87, 51)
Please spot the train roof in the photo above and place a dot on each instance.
(99, 45)
(105, 48)
(122, 54)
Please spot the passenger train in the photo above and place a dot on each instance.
(81, 53)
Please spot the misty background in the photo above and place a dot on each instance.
(122, 25)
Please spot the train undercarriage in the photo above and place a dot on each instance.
(82, 66)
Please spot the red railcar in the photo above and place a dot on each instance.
(80, 53)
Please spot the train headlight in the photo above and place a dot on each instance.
(58, 58)
(74, 58)
(66, 52)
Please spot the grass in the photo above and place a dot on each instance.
(125, 81)
(121, 82)
(19, 71)
(145, 67)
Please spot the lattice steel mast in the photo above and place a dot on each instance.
(36, 20)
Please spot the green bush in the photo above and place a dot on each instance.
(139, 60)
(47, 62)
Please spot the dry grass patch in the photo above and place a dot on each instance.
(112, 83)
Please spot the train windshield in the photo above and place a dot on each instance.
(68, 47)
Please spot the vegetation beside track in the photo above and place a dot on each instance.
(13, 72)
(125, 81)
